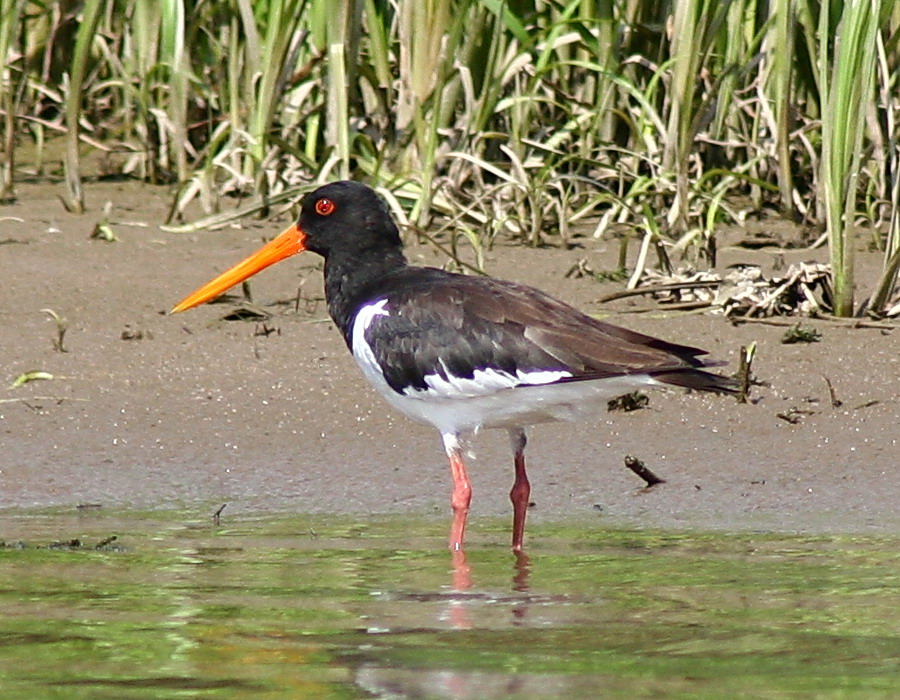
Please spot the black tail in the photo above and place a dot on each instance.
(698, 379)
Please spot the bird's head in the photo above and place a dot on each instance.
(346, 216)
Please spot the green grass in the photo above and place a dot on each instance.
(514, 117)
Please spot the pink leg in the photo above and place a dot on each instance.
(521, 490)
(462, 491)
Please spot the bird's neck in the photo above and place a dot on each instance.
(353, 279)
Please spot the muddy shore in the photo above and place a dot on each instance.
(151, 411)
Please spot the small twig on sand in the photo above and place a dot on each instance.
(638, 467)
(657, 288)
(835, 401)
(743, 373)
(794, 415)
(217, 516)
(56, 399)
(856, 323)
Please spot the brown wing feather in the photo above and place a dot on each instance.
(564, 331)
(474, 322)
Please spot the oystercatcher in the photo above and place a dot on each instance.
(463, 352)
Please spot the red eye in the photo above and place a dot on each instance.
(325, 207)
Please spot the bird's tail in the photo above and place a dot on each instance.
(698, 379)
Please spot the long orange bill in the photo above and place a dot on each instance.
(288, 243)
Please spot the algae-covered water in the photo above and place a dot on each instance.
(298, 607)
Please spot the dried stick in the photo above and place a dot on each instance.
(639, 468)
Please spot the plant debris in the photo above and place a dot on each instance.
(246, 312)
(744, 376)
(31, 376)
(682, 286)
(265, 330)
(102, 230)
(797, 334)
(107, 544)
(893, 308)
(135, 333)
(628, 402)
(804, 289)
(794, 415)
(583, 269)
(62, 325)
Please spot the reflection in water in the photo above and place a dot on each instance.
(463, 684)
(461, 596)
(523, 570)
(462, 572)
(469, 685)
(318, 609)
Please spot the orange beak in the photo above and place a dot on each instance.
(288, 243)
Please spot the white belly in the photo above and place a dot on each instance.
(491, 398)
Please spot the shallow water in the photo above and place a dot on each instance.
(342, 608)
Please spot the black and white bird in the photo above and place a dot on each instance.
(463, 352)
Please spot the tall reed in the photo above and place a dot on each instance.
(846, 84)
(86, 31)
(10, 14)
(515, 117)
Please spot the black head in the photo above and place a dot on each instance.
(347, 217)
(346, 223)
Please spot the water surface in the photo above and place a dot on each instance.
(177, 607)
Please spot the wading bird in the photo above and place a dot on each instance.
(463, 352)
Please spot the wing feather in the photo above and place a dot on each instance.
(454, 326)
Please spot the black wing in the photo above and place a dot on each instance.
(446, 324)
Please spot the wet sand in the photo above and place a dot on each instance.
(152, 411)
